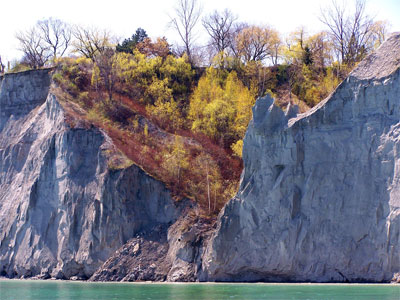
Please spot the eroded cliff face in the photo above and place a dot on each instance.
(63, 211)
(319, 198)
(320, 193)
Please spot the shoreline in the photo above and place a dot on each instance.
(3, 279)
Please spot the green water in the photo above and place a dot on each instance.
(57, 290)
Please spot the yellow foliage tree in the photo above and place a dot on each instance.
(237, 148)
(237, 95)
(175, 160)
(95, 77)
(221, 109)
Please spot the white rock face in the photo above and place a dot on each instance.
(320, 193)
(62, 210)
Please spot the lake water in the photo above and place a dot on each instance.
(59, 290)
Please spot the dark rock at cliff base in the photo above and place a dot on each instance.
(142, 258)
(162, 253)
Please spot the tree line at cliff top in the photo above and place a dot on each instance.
(350, 35)
(201, 96)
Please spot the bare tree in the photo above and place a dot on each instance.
(2, 67)
(187, 16)
(351, 34)
(91, 41)
(105, 61)
(47, 40)
(56, 34)
(359, 34)
(35, 49)
(335, 19)
(219, 27)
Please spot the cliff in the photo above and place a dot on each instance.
(63, 208)
(319, 198)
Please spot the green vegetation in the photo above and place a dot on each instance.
(128, 45)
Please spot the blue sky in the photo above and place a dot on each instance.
(122, 17)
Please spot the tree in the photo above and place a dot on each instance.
(95, 44)
(242, 100)
(128, 45)
(276, 48)
(237, 27)
(350, 34)
(56, 34)
(91, 41)
(105, 61)
(359, 34)
(256, 43)
(47, 40)
(314, 51)
(294, 56)
(321, 50)
(306, 72)
(207, 182)
(1, 66)
(219, 27)
(220, 106)
(380, 31)
(175, 160)
(36, 51)
(159, 48)
(187, 16)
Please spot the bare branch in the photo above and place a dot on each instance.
(219, 27)
(351, 34)
(47, 40)
(2, 67)
(35, 49)
(187, 16)
(56, 34)
(91, 41)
